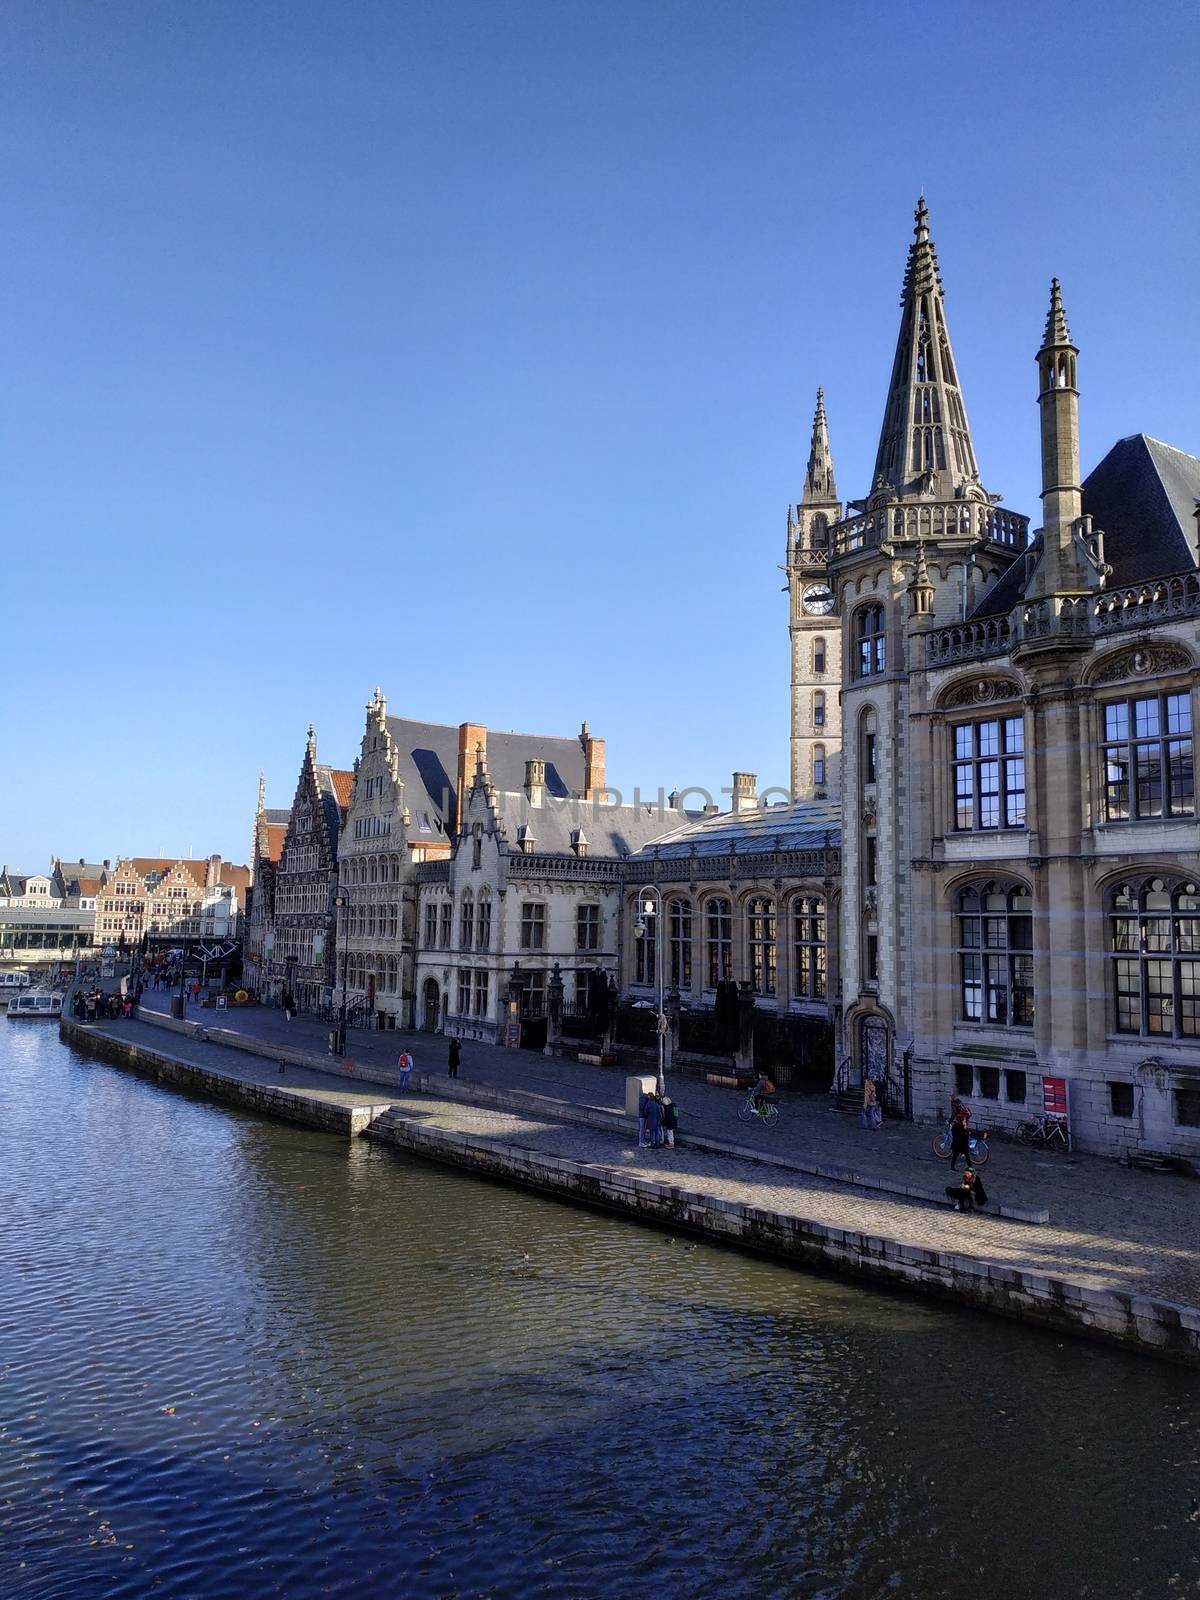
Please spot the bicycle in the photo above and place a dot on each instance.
(767, 1112)
(977, 1146)
(1046, 1132)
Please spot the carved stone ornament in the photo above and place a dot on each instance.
(978, 692)
(1143, 662)
(869, 810)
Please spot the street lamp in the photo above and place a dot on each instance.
(650, 904)
(340, 901)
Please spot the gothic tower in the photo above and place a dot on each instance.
(915, 555)
(815, 632)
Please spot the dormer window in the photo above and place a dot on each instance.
(579, 842)
(525, 839)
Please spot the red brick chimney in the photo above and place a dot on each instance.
(593, 764)
(470, 735)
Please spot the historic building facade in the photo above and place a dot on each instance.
(267, 838)
(531, 894)
(750, 906)
(1021, 868)
(408, 814)
(301, 933)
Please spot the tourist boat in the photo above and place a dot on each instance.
(41, 1003)
(11, 984)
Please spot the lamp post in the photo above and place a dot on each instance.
(340, 901)
(650, 904)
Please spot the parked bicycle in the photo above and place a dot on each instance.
(752, 1110)
(977, 1145)
(1047, 1132)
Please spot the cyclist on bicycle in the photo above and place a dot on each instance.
(762, 1094)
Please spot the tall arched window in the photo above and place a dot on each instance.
(808, 947)
(718, 941)
(818, 766)
(995, 940)
(466, 931)
(818, 708)
(1155, 939)
(483, 922)
(870, 641)
(760, 940)
(679, 944)
(645, 919)
(868, 749)
(819, 657)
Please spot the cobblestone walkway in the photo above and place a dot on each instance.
(1110, 1227)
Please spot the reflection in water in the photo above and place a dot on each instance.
(241, 1359)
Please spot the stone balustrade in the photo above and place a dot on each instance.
(943, 519)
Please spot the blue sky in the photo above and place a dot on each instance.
(471, 350)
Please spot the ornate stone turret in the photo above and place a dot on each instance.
(819, 486)
(920, 590)
(925, 445)
(1062, 500)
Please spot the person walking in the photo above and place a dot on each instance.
(453, 1057)
(872, 1115)
(405, 1063)
(960, 1138)
(670, 1121)
(196, 992)
(289, 1004)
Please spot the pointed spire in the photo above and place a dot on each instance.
(312, 742)
(262, 792)
(925, 443)
(1057, 333)
(819, 485)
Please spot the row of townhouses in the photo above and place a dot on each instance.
(986, 881)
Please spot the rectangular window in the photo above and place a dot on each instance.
(430, 925)
(1187, 1107)
(1120, 1099)
(1149, 765)
(869, 771)
(872, 958)
(445, 925)
(466, 939)
(480, 1005)
(718, 940)
(871, 860)
(989, 1083)
(964, 1078)
(587, 928)
(464, 992)
(989, 774)
(483, 926)
(1014, 1086)
(533, 926)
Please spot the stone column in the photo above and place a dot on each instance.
(554, 1009)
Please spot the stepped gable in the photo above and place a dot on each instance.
(428, 764)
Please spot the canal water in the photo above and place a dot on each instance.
(241, 1359)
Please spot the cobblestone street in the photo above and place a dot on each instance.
(1110, 1227)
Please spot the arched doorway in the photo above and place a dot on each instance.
(431, 1006)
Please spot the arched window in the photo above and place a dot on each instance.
(868, 749)
(466, 932)
(818, 657)
(818, 536)
(1155, 939)
(818, 766)
(483, 922)
(760, 941)
(645, 919)
(395, 869)
(870, 641)
(679, 936)
(819, 708)
(373, 869)
(718, 941)
(808, 947)
(995, 940)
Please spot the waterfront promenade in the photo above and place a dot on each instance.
(1111, 1232)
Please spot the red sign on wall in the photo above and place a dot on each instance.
(1054, 1098)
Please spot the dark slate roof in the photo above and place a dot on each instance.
(803, 825)
(277, 816)
(1142, 497)
(609, 830)
(429, 765)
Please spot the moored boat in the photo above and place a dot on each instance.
(41, 1003)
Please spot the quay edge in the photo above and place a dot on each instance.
(1146, 1326)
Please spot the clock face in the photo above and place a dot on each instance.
(818, 599)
